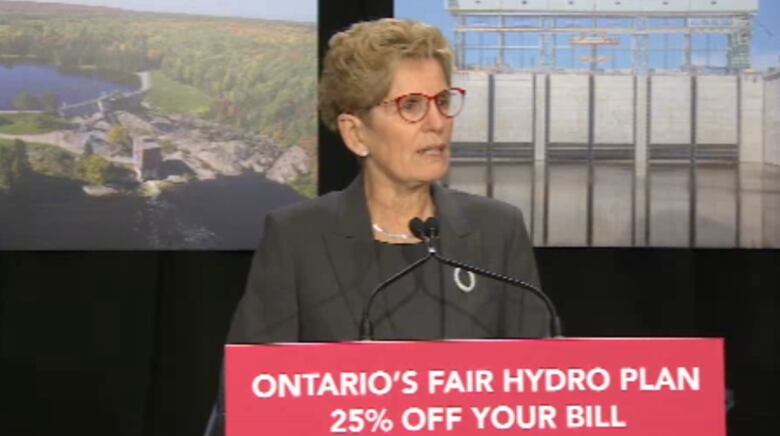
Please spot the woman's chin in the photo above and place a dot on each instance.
(433, 175)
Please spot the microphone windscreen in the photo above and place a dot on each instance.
(431, 227)
(417, 227)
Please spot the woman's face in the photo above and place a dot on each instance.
(401, 152)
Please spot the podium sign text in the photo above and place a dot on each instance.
(616, 387)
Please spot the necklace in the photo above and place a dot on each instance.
(378, 229)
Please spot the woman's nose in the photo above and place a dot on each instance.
(434, 119)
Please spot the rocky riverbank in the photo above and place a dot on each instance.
(191, 148)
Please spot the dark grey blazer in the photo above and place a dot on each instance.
(315, 268)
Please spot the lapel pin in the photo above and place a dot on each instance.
(463, 287)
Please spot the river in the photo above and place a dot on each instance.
(45, 213)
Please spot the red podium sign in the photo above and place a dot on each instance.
(616, 387)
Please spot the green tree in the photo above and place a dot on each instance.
(49, 122)
(50, 102)
(20, 165)
(25, 101)
(13, 163)
(119, 136)
(94, 169)
(5, 168)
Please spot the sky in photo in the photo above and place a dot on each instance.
(296, 10)
(766, 27)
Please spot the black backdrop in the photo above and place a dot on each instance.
(129, 343)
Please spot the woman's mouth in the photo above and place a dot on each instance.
(432, 150)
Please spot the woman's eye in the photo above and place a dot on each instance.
(410, 104)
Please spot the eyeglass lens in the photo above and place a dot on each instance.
(414, 107)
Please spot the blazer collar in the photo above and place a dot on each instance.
(449, 212)
(355, 221)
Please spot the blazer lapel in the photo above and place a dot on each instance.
(351, 249)
(461, 241)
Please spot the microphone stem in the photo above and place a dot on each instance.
(366, 326)
(555, 322)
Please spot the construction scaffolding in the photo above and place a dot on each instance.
(712, 36)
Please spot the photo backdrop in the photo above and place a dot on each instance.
(619, 124)
(153, 125)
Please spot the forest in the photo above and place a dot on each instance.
(260, 75)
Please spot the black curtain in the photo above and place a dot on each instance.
(130, 343)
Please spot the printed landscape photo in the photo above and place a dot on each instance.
(127, 129)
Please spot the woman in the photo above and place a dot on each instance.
(386, 88)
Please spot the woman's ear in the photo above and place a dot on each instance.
(351, 129)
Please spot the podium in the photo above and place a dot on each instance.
(616, 387)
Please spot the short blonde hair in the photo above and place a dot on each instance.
(358, 68)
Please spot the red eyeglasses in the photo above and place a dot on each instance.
(414, 107)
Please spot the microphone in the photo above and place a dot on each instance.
(432, 228)
(431, 232)
(417, 228)
(366, 333)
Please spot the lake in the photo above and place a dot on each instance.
(39, 79)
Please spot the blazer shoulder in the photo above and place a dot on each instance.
(476, 206)
(308, 212)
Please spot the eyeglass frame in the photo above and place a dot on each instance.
(429, 98)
